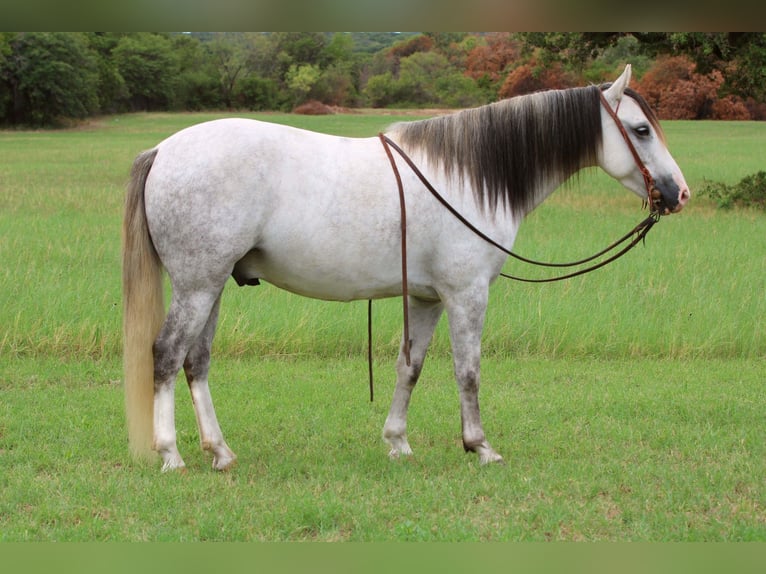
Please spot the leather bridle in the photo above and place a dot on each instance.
(653, 195)
(638, 233)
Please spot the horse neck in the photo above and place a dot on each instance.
(563, 128)
(513, 153)
(548, 184)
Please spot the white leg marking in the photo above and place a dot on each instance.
(165, 428)
(211, 437)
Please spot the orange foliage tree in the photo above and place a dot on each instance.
(675, 90)
(489, 60)
(401, 50)
(530, 77)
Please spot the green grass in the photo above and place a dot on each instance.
(628, 403)
(596, 450)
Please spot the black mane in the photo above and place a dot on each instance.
(508, 148)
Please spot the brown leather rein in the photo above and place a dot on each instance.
(638, 233)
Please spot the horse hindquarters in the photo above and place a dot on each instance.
(155, 349)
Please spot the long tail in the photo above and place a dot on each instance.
(143, 311)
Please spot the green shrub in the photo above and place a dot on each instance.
(749, 192)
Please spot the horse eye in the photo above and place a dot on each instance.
(642, 131)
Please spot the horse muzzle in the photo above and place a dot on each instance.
(668, 197)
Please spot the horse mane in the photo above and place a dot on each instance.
(507, 149)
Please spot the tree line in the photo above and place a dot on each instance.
(50, 78)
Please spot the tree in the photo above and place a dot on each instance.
(111, 86)
(456, 90)
(739, 56)
(45, 77)
(298, 48)
(489, 61)
(654, 87)
(5, 72)
(674, 89)
(532, 77)
(418, 75)
(256, 93)
(147, 64)
(745, 73)
(339, 49)
(491, 58)
(443, 41)
(229, 55)
(198, 85)
(50, 76)
(262, 55)
(405, 48)
(381, 90)
(300, 80)
(573, 49)
(337, 85)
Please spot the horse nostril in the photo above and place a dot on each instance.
(684, 196)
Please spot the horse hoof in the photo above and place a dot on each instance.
(397, 453)
(491, 457)
(224, 462)
(174, 465)
(224, 467)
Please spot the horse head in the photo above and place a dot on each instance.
(634, 150)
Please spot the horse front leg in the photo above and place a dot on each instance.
(466, 322)
(423, 317)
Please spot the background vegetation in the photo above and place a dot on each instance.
(49, 78)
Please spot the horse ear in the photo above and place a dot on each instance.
(615, 91)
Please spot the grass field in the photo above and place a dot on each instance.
(629, 403)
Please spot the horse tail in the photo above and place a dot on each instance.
(143, 310)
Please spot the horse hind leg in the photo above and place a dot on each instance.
(196, 368)
(187, 317)
(423, 317)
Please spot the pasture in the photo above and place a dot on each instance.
(628, 403)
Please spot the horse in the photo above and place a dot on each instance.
(320, 216)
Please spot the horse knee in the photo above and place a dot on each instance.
(409, 375)
(468, 381)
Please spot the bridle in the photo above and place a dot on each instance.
(638, 233)
(653, 195)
